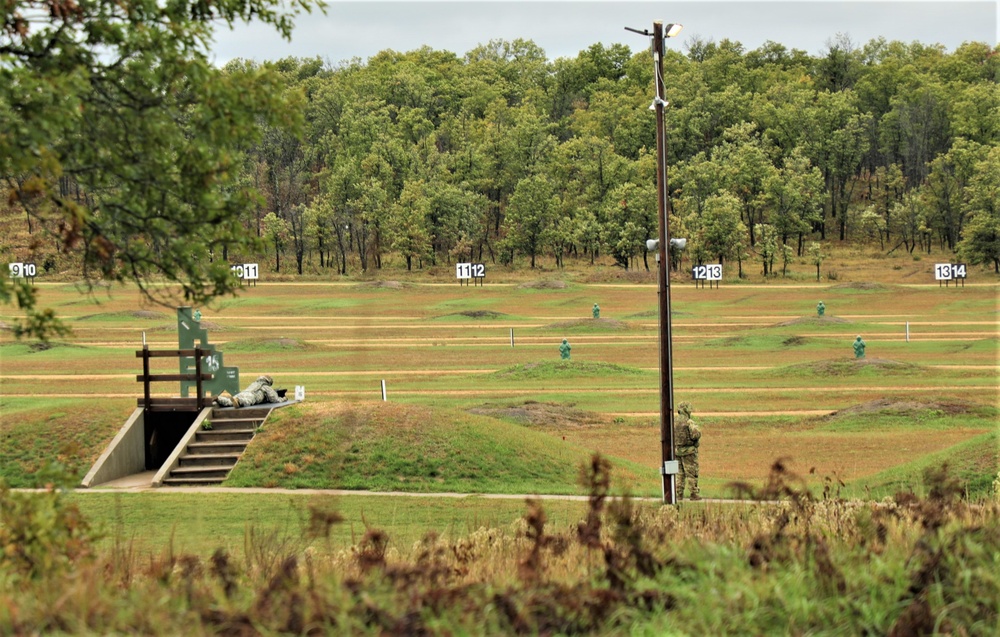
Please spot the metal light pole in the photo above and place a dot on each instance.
(669, 467)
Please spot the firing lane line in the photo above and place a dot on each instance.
(445, 372)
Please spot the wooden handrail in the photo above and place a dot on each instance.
(146, 378)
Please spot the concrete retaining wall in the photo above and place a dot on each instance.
(126, 455)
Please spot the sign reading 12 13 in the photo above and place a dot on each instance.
(708, 272)
(470, 270)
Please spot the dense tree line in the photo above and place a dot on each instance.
(502, 155)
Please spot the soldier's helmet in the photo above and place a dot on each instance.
(684, 408)
(267, 380)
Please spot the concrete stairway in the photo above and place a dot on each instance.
(214, 452)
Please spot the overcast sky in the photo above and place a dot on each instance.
(565, 27)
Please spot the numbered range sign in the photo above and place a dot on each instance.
(22, 270)
(247, 272)
(948, 272)
(466, 271)
(708, 272)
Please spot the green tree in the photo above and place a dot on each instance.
(721, 232)
(629, 220)
(981, 243)
(815, 254)
(794, 197)
(530, 213)
(276, 233)
(408, 232)
(121, 100)
(746, 169)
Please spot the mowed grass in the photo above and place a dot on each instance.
(389, 447)
(749, 348)
(200, 523)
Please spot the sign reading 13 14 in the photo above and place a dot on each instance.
(949, 271)
(470, 270)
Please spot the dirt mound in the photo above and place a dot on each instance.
(44, 346)
(588, 324)
(617, 275)
(382, 285)
(480, 314)
(265, 345)
(841, 367)
(904, 408)
(208, 325)
(543, 285)
(861, 285)
(540, 414)
(812, 320)
(132, 314)
(564, 369)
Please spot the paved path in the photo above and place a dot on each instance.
(140, 483)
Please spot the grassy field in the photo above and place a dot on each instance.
(786, 413)
(766, 376)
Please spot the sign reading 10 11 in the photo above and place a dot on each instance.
(707, 272)
(949, 271)
(470, 270)
(246, 271)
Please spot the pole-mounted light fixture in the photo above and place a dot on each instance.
(670, 468)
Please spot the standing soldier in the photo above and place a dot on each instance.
(686, 439)
(820, 309)
(564, 350)
(859, 347)
(596, 311)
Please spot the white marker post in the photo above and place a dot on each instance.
(907, 331)
(383, 390)
(512, 337)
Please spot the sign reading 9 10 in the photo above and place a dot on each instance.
(22, 270)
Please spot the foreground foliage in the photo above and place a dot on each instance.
(903, 566)
(120, 140)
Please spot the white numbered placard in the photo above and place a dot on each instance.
(470, 270)
(707, 272)
(22, 270)
(949, 271)
(246, 271)
(942, 272)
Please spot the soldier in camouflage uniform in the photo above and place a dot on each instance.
(686, 439)
(259, 391)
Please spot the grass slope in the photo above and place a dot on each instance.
(388, 446)
(39, 432)
(973, 463)
(541, 370)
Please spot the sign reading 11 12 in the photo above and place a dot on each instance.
(470, 270)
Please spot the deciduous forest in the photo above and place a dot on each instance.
(129, 151)
(503, 156)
